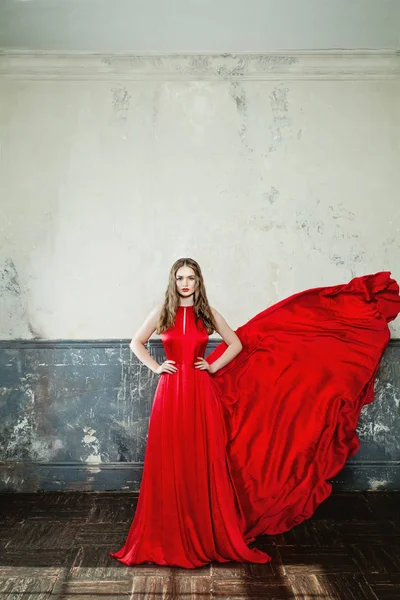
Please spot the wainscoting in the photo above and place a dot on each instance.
(74, 416)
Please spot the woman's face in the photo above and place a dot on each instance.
(185, 281)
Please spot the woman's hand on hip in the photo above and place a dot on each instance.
(203, 365)
(167, 367)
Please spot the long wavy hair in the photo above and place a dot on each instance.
(172, 299)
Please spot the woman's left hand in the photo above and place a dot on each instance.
(203, 365)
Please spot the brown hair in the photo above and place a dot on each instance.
(172, 300)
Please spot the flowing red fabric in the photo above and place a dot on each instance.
(247, 451)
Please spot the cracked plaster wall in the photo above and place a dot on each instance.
(274, 186)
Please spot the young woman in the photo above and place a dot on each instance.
(241, 444)
(187, 513)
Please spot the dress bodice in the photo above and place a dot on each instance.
(185, 341)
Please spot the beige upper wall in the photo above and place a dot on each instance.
(274, 181)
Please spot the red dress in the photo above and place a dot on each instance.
(247, 450)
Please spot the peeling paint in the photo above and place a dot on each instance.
(199, 63)
(379, 421)
(36, 335)
(272, 195)
(376, 484)
(336, 259)
(271, 62)
(279, 101)
(89, 438)
(14, 312)
(14, 445)
(91, 442)
(341, 212)
(309, 225)
(238, 94)
(390, 389)
(9, 279)
(121, 100)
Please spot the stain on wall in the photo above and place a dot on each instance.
(9, 279)
(238, 93)
(379, 426)
(14, 314)
(281, 121)
(121, 100)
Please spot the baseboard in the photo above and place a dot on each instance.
(126, 477)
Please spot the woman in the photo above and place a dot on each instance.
(241, 444)
(187, 513)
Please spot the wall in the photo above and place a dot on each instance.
(74, 415)
(259, 167)
(276, 172)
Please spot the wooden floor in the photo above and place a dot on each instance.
(55, 545)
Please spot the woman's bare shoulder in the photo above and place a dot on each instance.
(148, 326)
(155, 312)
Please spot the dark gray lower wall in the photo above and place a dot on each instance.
(74, 416)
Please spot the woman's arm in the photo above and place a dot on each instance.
(230, 338)
(141, 337)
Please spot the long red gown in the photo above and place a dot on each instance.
(247, 450)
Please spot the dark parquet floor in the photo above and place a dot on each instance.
(55, 545)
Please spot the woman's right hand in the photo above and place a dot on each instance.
(167, 367)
